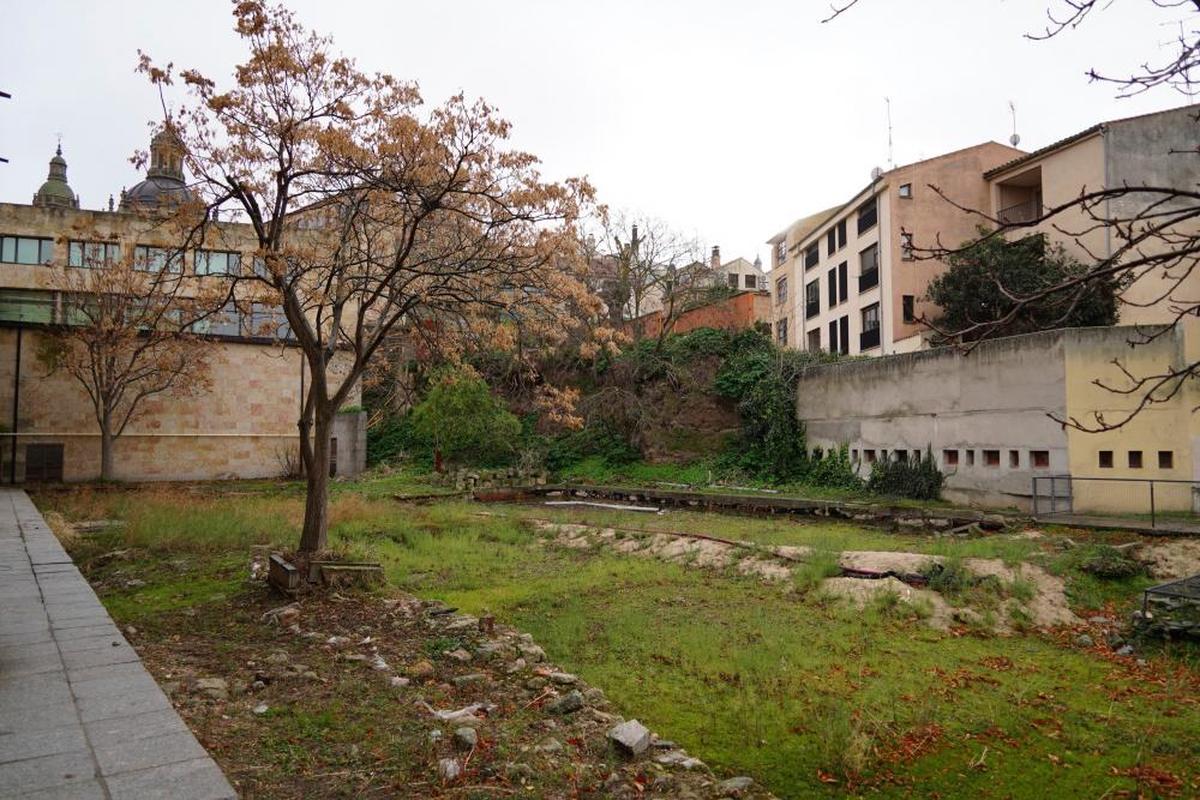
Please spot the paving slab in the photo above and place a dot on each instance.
(80, 717)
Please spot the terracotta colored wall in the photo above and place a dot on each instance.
(735, 313)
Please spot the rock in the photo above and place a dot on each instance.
(630, 736)
(466, 680)
(550, 746)
(420, 671)
(532, 652)
(278, 657)
(1115, 640)
(337, 641)
(257, 686)
(131, 631)
(518, 773)
(1125, 650)
(967, 616)
(435, 736)
(261, 709)
(594, 696)
(678, 758)
(735, 786)
(449, 769)
(1083, 640)
(459, 655)
(465, 738)
(398, 682)
(569, 703)
(462, 623)
(489, 650)
(378, 664)
(535, 684)
(517, 666)
(563, 678)
(310, 676)
(216, 688)
(1100, 620)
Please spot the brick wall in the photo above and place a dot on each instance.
(739, 312)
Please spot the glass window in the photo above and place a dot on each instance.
(831, 278)
(1166, 459)
(908, 307)
(93, 254)
(1106, 459)
(831, 241)
(26, 250)
(780, 252)
(218, 262)
(841, 234)
(781, 332)
(843, 282)
(870, 317)
(269, 321)
(868, 216)
(781, 291)
(751, 281)
(18, 305)
(155, 259)
(906, 191)
(222, 323)
(732, 280)
(811, 256)
(906, 246)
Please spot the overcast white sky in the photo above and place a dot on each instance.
(727, 119)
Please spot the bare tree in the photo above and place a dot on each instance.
(127, 337)
(1154, 228)
(373, 215)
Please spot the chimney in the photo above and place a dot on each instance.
(715, 262)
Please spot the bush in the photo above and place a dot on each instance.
(1111, 564)
(834, 471)
(391, 439)
(463, 419)
(915, 480)
(593, 440)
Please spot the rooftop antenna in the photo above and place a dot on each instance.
(1015, 139)
(891, 161)
(6, 96)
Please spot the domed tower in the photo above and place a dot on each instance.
(164, 184)
(55, 192)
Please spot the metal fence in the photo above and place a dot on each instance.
(1137, 503)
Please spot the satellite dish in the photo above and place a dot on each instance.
(876, 173)
(1015, 139)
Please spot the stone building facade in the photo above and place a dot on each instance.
(243, 426)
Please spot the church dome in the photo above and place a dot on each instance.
(164, 185)
(56, 192)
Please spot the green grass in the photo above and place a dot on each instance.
(781, 685)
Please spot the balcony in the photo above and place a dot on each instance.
(868, 280)
(868, 339)
(812, 309)
(1019, 213)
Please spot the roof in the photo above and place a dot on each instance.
(1069, 140)
(806, 224)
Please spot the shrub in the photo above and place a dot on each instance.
(391, 439)
(463, 419)
(916, 480)
(1111, 564)
(834, 471)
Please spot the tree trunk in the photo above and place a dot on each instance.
(315, 536)
(437, 460)
(106, 452)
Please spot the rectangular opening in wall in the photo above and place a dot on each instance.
(1014, 459)
(1040, 459)
(970, 458)
(1105, 459)
(883, 455)
(333, 456)
(1135, 459)
(869, 456)
(991, 458)
(900, 455)
(44, 462)
(1166, 459)
(916, 457)
(950, 458)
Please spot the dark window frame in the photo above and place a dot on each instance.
(867, 215)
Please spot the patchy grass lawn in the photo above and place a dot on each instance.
(805, 694)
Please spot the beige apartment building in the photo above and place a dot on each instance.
(243, 427)
(844, 280)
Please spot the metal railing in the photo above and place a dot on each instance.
(1026, 211)
(868, 339)
(1139, 503)
(868, 280)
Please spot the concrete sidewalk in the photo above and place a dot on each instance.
(80, 717)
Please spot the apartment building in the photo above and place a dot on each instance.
(845, 280)
(1155, 150)
(245, 426)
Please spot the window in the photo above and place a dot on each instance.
(780, 252)
(19, 305)
(812, 298)
(916, 456)
(869, 337)
(154, 259)
(814, 340)
(93, 254)
(883, 455)
(1014, 459)
(26, 250)
(831, 277)
(845, 338)
(970, 458)
(1166, 459)
(991, 458)
(268, 321)
(220, 262)
(731, 278)
(907, 303)
(781, 291)
(869, 456)
(854, 455)
(868, 216)
(901, 456)
(950, 458)
(906, 247)
(781, 333)
(751, 282)
(221, 323)
(1135, 459)
(44, 462)
(1040, 459)
(868, 268)
(1105, 459)
(843, 279)
(906, 191)
(841, 234)
(811, 256)
(833, 336)
(831, 241)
